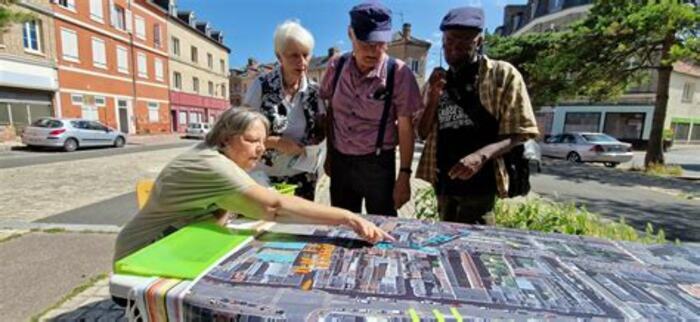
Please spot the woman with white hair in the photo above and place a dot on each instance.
(291, 103)
(210, 180)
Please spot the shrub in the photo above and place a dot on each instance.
(548, 216)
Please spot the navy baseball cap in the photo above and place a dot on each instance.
(371, 21)
(463, 18)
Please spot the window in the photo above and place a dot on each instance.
(223, 90)
(415, 65)
(625, 125)
(222, 65)
(142, 65)
(140, 27)
(582, 122)
(69, 45)
(89, 112)
(177, 80)
(96, 11)
(195, 57)
(210, 61)
(68, 4)
(211, 88)
(122, 60)
(182, 117)
(688, 92)
(159, 69)
(76, 99)
(153, 112)
(100, 101)
(99, 58)
(195, 84)
(156, 36)
(119, 18)
(30, 36)
(176, 46)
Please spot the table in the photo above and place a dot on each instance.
(434, 272)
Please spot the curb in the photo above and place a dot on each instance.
(23, 225)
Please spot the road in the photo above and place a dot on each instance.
(21, 156)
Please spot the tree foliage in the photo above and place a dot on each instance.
(615, 47)
(9, 16)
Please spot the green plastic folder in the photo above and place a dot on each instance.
(184, 254)
(285, 188)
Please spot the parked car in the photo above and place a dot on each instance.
(587, 147)
(197, 130)
(71, 134)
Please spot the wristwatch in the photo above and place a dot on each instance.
(407, 170)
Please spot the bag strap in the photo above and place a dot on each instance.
(338, 68)
(389, 93)
(336, 77)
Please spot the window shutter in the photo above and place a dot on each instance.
(127, 20)
(112, 14)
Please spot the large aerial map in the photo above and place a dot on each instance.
(445, 272)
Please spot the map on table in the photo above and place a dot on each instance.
(445, 272)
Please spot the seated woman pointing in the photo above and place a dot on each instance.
(210, 179)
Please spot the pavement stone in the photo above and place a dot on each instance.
(91, 181)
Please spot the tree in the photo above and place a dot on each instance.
(613, 48)
(9, 16)
(532, 55)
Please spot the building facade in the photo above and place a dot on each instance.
(413, 51)
(684, 103)
(113, 63)
(28, 77)
(199, 70)
(241, 79)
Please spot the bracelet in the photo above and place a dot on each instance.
(407, 170)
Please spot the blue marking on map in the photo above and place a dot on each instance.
(286, 245)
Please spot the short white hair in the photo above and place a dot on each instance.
(292, 30)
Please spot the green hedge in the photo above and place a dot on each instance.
(548, 216)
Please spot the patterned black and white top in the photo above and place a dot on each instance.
(298, 119)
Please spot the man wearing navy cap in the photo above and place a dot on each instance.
(372, 98)
(476, 112)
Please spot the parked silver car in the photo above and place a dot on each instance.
(587, 147)
(197, 130)
(71, 134)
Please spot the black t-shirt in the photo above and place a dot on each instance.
(464, 126)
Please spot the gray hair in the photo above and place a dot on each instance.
(292, 30)
(233, 121)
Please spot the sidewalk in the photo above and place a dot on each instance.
(44, 268)
(155, 139)
(8, 145)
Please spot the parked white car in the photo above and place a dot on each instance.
(587, 147)
(71, 134)
(197, 130)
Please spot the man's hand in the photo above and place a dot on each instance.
(402, 190)
(436, 82)
(367, 230)
(468, 166)
(287, 146)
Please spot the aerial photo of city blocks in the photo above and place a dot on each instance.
(445, 272)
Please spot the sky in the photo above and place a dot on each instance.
(249, 25)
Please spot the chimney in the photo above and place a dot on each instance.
(406, 31)
(252, 62)
(333, 51)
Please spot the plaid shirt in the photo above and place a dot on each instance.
(503, 93)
